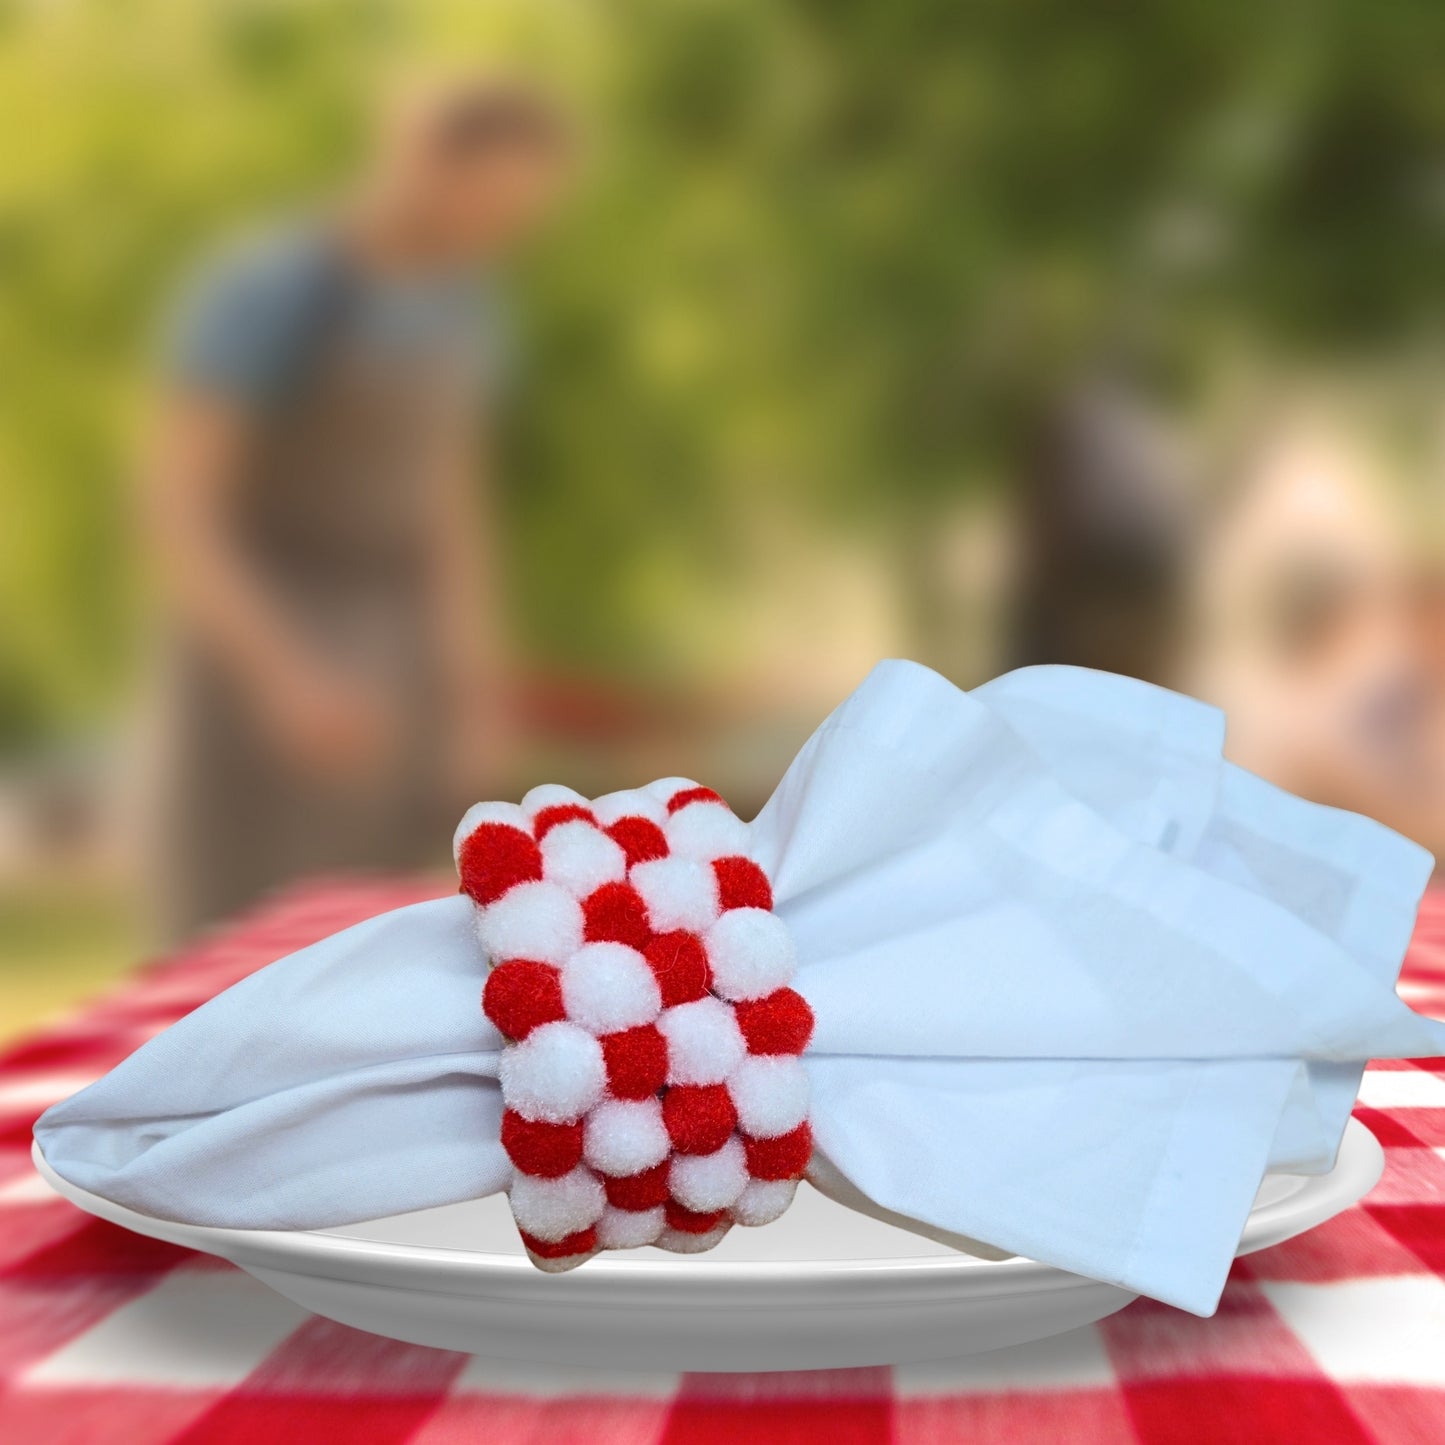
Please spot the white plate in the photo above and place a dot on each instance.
(823, 1287)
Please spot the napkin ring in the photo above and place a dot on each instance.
(651, 1077)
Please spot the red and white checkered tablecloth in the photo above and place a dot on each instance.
(1336, 1336)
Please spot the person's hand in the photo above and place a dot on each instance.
(329, 727)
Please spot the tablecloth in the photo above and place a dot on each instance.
(1336, 1336)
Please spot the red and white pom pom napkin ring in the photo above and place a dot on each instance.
(652, 1083)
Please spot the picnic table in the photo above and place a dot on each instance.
(1338, 1335)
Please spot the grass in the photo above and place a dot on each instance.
(61, 942)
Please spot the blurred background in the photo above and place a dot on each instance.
(652, 370)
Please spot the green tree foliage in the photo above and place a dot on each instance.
(830, 256)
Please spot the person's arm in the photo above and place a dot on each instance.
(470, 615)
(198, 446)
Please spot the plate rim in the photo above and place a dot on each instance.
(1358, 1165)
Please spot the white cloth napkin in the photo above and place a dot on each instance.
(1078, 984)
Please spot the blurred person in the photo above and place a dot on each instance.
(1105, 524)
(1316, 636)
(318, 511)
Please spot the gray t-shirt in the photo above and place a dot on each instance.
(253, 321)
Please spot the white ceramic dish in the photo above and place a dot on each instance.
(824, 1287)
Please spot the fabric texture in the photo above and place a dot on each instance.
(1334, 1338)
(1078, 983)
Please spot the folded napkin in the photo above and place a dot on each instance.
(1077, 983)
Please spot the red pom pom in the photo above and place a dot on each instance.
(782, 1158)
(640, 838)
(546, 1150)
(548, 818)
(520, 995)
(781, 1023)
(615, 913)
(638, 1191)
(742, 884)
(692, 795)
(583, 1242)
(679, 962)
(699, 1117)
(496, 857)
(636, 1062)
(689, 1221)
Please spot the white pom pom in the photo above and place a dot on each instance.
(607, 987)
(625, 1136)
(704, 1182)
(630, 1228)
(704, 1043)
(666, 788)
(751, 953)
(706, 831)
(770, 1092)
(630, 803)
(678, 892)
(538, 921)
(581, 858)
(679, 1241)
(764, 1200)
(480, 813)
(555, 1074)
(550, 795)
(562, 1264)
(551, 1209)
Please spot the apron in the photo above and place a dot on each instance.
(333, 517)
